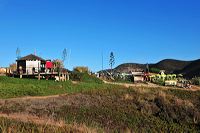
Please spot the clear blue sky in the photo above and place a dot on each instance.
(135, 30)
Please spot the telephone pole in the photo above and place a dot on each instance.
(102, 61)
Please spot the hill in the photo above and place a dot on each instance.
(171, 65)
(52, 107)
(191, 70)
(127, 67)
(188, 68)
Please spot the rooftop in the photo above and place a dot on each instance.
(31, 57)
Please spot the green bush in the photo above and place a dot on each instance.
(154, 70)
(196, 81)
(160, 82)
(85, 77)
(81, 69)
(127, 79)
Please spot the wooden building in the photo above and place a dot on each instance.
(30, 64)
(138, 76)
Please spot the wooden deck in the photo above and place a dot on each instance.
(36, 74)
(47, 76)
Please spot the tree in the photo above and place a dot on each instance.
(112, 61)
(81, 69)
(154, 70)
(18, 53)
(13, 67)
(64, 55)
(58, 65)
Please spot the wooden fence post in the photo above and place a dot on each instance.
(38, 76)
(67, 76)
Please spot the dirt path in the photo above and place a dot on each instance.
(36, 97)
(195, 88)
(133, 85)
(127, 85)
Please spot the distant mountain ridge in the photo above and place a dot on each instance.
(127, 67)
(171, 65)
(192, 69)
(188, 68)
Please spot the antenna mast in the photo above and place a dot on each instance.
(102, 61)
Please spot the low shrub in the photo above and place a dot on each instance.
(154, 70)
(128, 79)
(85, 77)
(160, 82)
(14, 126)
(81, 69)
(196, 81)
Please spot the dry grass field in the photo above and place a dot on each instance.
(98, 107)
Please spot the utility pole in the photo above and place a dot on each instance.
(102, 62)
(69, 57)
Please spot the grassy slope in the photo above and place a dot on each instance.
(13, 87)
(140, 111)
(120, 109)
(13, 126)
(112, 107)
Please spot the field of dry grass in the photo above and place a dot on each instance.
(47, 106)
(138, 109)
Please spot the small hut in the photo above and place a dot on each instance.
(30, 64)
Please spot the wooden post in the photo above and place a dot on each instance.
(38, 76)
(59, 75)
(20, 72)
(67, 76)
(63, 77)
(47, 77)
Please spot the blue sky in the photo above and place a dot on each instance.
(135, 30)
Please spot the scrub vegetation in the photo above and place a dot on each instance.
(95, 107)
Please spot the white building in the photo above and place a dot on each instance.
(30, 64)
